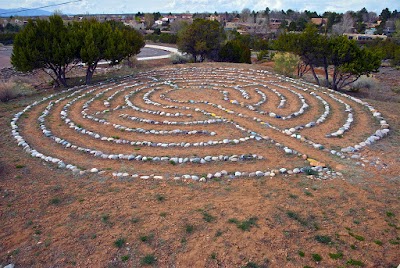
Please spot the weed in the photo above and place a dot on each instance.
(378, 242)
(105, 218)
(55, 201)
(316, 257)
(308, 193)
(353, 247)
(189, 228)
(160, 198)
(213, 256)
(336, 256)
(233, 220)
(293, 196)
(125, 258)
(115, 137)
(218, 233)
(355, 263)
(324, 239)
(246, 224)
(251, 265)
(208, 217)
(389, 214)
(19, 166)
(135, 220)
(149, 259)
(146, 238)
(293, 215)
(163, 214)
(358, 237)
(15, 252)
(172, 162)
(395, 241)
(301, 253)
(120, 242)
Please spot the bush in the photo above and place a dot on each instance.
(8, 91)
(7, 38)
(396, 57)
(263, 55)
(162, 38)
(235, 51)
(149, 259)
(286, 63)
(364, 82)
(180, 59)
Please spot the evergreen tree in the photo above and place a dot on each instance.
(48, 45)
(201, 39)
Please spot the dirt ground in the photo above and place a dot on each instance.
(51, 218)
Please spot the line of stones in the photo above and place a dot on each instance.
(85, 114)
(72, 125)
(378, 134)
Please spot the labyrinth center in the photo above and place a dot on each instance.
(198, 123)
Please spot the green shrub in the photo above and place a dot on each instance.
(265, 55)
(336, 256)
(189, 228)
(246, 224)
(286, 63)
(208, 217)
(316, 257)
(120, 242)
(149, 259)
(324, 239)
(364, 82)
(355, 262)
(235, 51)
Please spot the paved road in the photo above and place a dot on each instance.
(149, 52)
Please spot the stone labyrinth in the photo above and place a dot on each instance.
(198, 123)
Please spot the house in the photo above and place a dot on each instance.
(135, 24)
(231, 26)
(364, 37)
(370, 31)
(319, 21)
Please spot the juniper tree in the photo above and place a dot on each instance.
(48, 45)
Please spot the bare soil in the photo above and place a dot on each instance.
(51, 218)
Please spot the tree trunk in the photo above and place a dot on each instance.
(326, 66)
(334, 78)
(89, 72)
(315, 75)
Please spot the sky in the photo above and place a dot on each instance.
(192, 6)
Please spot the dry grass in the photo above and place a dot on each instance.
(8, 91)
(364, 82)
(13, 89)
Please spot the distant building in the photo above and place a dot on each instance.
(231, 26)
(319, 21)
(370, 31)
(364, 37)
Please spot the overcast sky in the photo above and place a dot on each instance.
(133, 6)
